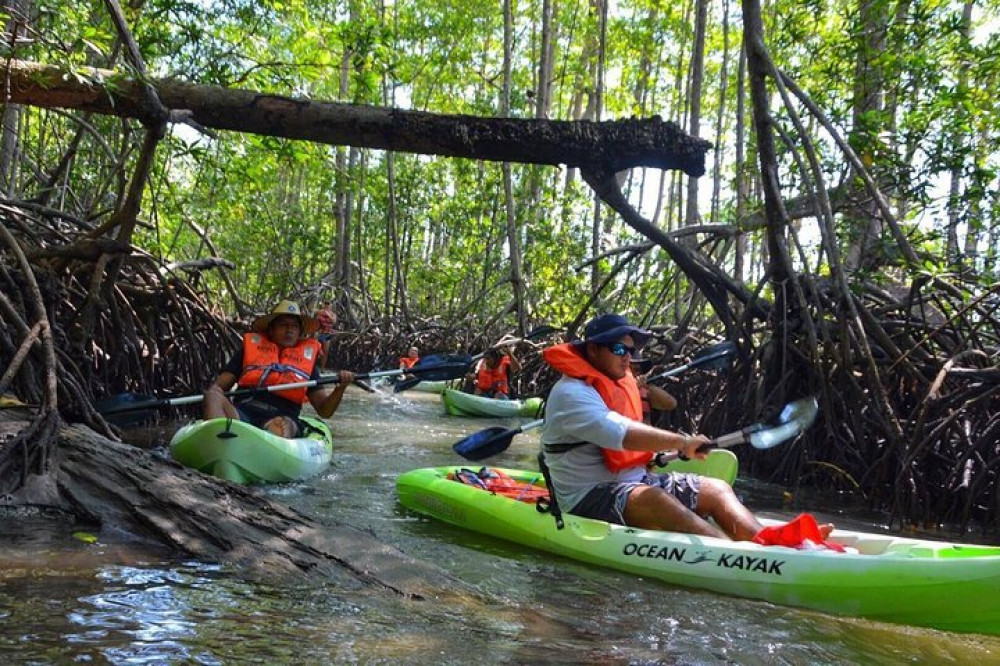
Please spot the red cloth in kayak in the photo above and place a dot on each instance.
(500, 483)
(795, 533)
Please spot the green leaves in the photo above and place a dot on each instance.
(280, 208)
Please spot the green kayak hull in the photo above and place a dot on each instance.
(239, 452)
(422, 387)
(430, 387)
(949, 586)
(458, 403)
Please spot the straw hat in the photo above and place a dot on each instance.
(309, 325)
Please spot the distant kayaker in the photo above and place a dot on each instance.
(492, 375)
(276, 351)
(652, 397)
(327, 320)
(411, 359)
(597, 448)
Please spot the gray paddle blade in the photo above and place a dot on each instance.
(802, 411)
(767, 439)
(794, 419)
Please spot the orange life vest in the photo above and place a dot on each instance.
(621, 396)
(493, 380)
(265, 364)
(407, 362)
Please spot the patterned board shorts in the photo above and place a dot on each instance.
(607, 501)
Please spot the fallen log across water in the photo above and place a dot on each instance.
(133, 493)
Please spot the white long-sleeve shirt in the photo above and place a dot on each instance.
(575, 412)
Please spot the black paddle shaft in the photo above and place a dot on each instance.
(410, 382)
(438, 372)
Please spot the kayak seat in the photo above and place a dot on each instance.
(501, 483)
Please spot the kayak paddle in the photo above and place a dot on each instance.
(433, 359)
(533, 334)
(794, 419)
(431, 372)
(491, 441)
(715, 357)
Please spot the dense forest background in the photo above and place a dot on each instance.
(845, 232)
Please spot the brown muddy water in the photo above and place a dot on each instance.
(66, 598)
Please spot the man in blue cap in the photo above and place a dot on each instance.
(597, 449)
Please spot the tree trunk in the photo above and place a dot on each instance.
(10, 118)
(864, 221)
(618, 144)
(742, 185)
(114, 483)
(697, 75)
(961, 151)
(596, 100)
(511, 213)
(779, 268)
(720, 116)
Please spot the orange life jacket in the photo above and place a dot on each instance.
(621, 396)
(265, 364)
(407, 362)
(493, 380)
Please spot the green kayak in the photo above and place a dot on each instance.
(422, 387)
(458, 403)
(430, 387)
(949, 586)
(237, 451)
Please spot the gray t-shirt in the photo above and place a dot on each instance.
(575, 412)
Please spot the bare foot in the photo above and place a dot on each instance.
(278, 426)
(825, 530)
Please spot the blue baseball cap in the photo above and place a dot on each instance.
(607, 328)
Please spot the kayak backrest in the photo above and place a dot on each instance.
(720, 464)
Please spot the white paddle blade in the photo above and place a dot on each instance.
(770, 438)
(802, 411)
(795, 418)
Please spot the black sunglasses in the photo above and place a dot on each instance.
(620, 349)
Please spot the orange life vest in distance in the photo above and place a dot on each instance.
(493, 380)
(266, 364)
(406, 362)
(620, 396)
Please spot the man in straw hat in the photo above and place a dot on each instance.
(276, 351)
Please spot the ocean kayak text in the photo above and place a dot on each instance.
(726, 560)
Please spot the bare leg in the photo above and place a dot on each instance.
(717, 500)
(653, 508)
